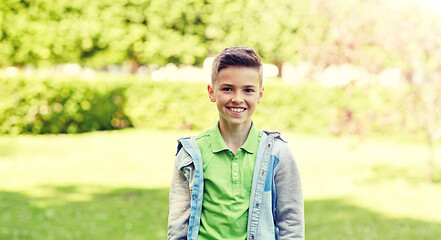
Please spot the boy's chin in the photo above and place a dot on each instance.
(237, 122)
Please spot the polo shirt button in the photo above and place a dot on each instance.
(194, 197)
(235, 164)
(235, 174)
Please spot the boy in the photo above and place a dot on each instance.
(234, 181)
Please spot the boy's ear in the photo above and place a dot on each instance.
(211, 93)
(259, 99)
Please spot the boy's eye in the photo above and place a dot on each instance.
(227, 89)
(249, 90)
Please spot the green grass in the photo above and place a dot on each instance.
(114, 185)
(124, 213)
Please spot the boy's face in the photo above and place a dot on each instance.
(236, 93)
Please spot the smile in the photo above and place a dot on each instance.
(236, 109)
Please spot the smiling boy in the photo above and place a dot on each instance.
(234, 181)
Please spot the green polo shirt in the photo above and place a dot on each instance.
(227, 185)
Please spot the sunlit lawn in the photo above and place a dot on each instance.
(114, 185)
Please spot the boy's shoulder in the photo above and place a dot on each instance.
(203, 135)
(198, 138)
(280, 145)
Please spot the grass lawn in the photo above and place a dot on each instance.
(114, 185)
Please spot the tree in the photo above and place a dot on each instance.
(100, 33)
(420, 30)
(270, 27)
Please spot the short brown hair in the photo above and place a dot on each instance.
(236, 57)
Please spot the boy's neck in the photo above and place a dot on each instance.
(234, 135)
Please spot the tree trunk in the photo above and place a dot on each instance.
(279, 67)
(133, 67)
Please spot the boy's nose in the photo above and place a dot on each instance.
(237, 98)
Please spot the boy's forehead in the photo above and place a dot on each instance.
(232, 74)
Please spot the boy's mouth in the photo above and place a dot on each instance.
(236, 109)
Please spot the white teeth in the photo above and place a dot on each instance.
(237, 109)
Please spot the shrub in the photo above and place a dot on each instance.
(56, 105)
(60, 106)
(170, 105)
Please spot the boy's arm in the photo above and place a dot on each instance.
(289, 215)
(179, 207)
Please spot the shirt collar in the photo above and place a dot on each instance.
(252, 142)
(218, 143)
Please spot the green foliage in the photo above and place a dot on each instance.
(60, 106)
(100, 33)
(307, 108)
(170, 105)
(181, 105)
(74, 105)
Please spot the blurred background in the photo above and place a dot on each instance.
(94, 95)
